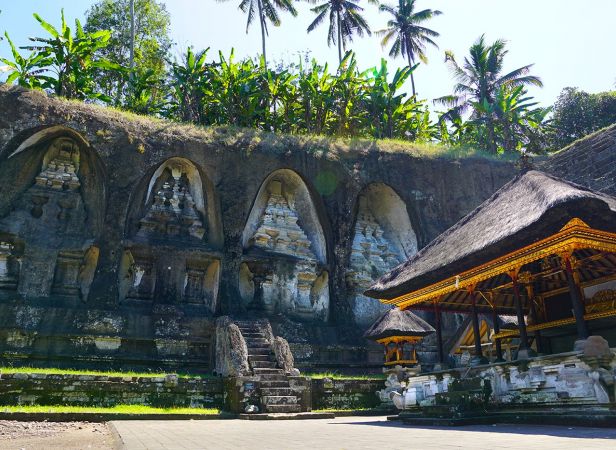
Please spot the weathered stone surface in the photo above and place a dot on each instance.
(284, 357)
(93, 390)
(591, 161)
(231, 350)
(156, 277)
(596, 346)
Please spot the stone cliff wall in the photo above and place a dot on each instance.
(591, 161)
(122, 238)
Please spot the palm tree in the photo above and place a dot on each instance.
(479, 82)
(345, 19)
(410, 38)
(266, 10)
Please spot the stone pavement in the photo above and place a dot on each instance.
(351, 433)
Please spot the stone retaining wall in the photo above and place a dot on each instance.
(95, 390)
(171, 391)
(345, 394)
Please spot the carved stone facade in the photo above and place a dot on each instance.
(122, 239)
(376, 247)
(49, 224)
(284, 271)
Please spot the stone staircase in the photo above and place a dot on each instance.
(274, 388)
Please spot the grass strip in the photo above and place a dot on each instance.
(58, 371)
(118, 409)
(339, 376)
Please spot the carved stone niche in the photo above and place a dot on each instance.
(201, 283)
(137, 276)
(52, 212)
(74, 272)
(283, 271)
(10, 265)
(383, 238)
(175, 204)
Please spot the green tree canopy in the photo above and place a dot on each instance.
(345, 20)
(409, 36)
(152, 42)
(481, 87)
(578, 113)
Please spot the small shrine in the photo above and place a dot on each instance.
(399, 332)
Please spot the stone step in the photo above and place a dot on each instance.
(257, 347)
(263, 364)
(252, 358)
(256, 342)
(278, 400)
(259, 351)
(267, 371)
(283, 408)
(265, 377)
(276, 391)
(273, 384)
(252, 335)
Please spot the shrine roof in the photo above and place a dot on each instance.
(531, 207)
(396, 322)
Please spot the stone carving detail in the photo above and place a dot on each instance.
(66, 277)
(60, 173)
(293, 285)
(173, 212)
(139, 277)
(279, 230)
(201, 283)
(9, 266)
(372, 255)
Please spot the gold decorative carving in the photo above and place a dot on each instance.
(576, 235)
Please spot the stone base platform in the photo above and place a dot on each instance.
(284, 416)
(590, 416)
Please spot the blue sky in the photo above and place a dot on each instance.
(571, 43)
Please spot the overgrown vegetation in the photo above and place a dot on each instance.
(58, 371)
(122, 58)
(117, 409)
(340, 376)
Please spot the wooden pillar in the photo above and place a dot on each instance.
(535, 316)
(497, 342)
(523, 348)
(439, 333)
(478, 358)
(576, 299)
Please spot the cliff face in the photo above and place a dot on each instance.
(122, 238)
(590, 161)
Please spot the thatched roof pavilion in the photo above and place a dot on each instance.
(398, 327)
(397, 322)
(535, 239)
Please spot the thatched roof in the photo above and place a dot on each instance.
(532, 206)
(396, 322)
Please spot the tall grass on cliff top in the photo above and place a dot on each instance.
(299, 99)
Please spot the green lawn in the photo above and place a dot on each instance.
(339, 376)
(118, 409)
(57, 371)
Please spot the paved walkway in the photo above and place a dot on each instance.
(351, 433)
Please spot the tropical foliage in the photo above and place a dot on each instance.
(578, 113)
(409, 36)
(345, 20)
(64, 63)
(152, 44)
(266, 11)
(490, 108)
(497, 105)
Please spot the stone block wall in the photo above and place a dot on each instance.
(591, 162)
(95, 390)
(345, 394)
